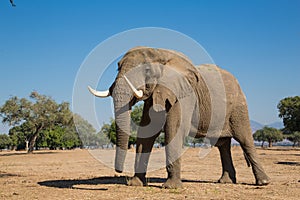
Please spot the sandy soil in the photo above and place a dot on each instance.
(77, 175)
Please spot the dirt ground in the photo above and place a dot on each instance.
(77, 175)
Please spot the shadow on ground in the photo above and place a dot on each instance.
(6, 175)
(22, 153)
(122, 180)
(288, 163)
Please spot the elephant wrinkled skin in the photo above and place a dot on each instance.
(181, 99)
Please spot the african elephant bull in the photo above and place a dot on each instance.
(181, 100)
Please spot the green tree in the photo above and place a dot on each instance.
(289, 111)
(103, 140)
(136, 116)
(54, 137)
(191, 140)
(86, 131)
(5, 141)
(109, 131)
(295, 138)
(41, 113)
(70, 138)
(20, 134)
(268, 134)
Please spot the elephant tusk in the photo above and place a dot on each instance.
(137, 93)
(99, 93)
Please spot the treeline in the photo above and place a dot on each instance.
(40, 122)
(289, 111)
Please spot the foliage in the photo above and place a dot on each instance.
(289, 111)
(109, 129)
(268, 134)
(86, 131)
(294, 137)
(5, 141)
(41, 121)
(70, 139)
(191, 140)
(136, 116)
(20, 134)
(160, 139)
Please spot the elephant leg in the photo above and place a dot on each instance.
(228, 173)
(145, 139)
(173, 141)
(240, 125)
(143, 150)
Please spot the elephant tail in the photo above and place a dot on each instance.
(247, 160)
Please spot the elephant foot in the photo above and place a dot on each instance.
(172, 184)
(227, 179)
(263, 181)
(136, 181)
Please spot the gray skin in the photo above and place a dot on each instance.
(178, 100)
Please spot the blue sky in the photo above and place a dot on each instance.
(43, 43)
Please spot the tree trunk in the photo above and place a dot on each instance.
(262, 144)
(270, 143)
(33, 139)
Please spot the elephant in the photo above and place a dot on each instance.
(180, 99)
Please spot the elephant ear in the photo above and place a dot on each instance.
(162, 96)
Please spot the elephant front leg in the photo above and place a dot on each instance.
(143, 150)
(150, 128)
(173, 141)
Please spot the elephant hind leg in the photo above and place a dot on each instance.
(228, 173)
(242, 133)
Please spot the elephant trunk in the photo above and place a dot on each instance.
(122, 116)
(123, 132)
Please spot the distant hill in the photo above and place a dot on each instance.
(256, 125)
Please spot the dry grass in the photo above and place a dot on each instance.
(77, 175)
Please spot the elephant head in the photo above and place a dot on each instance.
(145, 73)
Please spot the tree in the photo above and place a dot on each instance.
(192, 140)
(86, 131)
(289, 111)
(20, 134)
(103, 140)
(5, 141)
(70, 138)
(53, 137)
(41, 113)
(109, 130)
(295, 138)
(268, 134)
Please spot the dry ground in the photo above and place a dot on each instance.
(77, 175)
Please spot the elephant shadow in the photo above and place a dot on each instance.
(110, 180)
